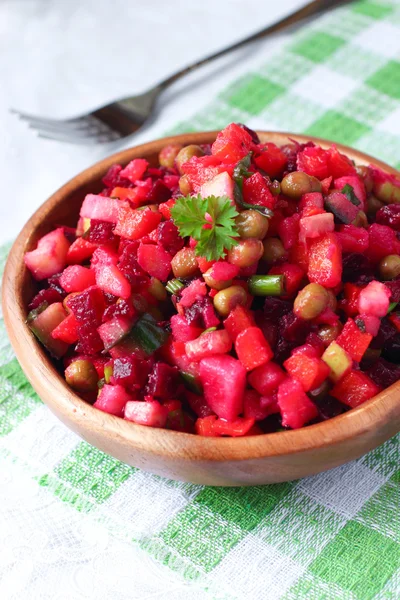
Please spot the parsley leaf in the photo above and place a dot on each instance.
(348, 191)
(210, 221)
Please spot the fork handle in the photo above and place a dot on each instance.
(310, 9)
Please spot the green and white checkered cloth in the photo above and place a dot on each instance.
(76, 523)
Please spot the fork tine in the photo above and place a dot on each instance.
(55, 122)
(61, 128)
(73, 139)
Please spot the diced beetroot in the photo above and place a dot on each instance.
(308, 349)
(325, 264)
(67, 330)
(192, 293)
(356, 183)
(326, 184)
(327, 317)
(315, 226)
(384, 373)
(134, 224)
(354, 341)
(389, 215)
(314, 161)
(48, 295)
(288, 230)
(110, 279)
(198, 404)
(315, 341)
(219, 186)
(182, 331)
(394, 287)
(236, 428)
(295, 406)
(258, 407)
(204, 426)
(171, 181)
(310, 371)
(354, 389)
(232, 144)
(210, 319)
(209, 344)
(294, 329)
(127, 371)
(104, 256)
(256, 191)
(339, 165)
(114, 330)
(252, 348)
(369, 324)
(163, 381)
(135, 169)
(374, 299)
(88, 308)
(154, 260)
(100, 208)
(382, 242)
(76, 278)
(394, 318)
(350, 303)
(311, 202)
(79, 251)
(151, 414)
(294, 276)
(45, 323)
(338, 204)
(224, 271)
(239, 319)
(165, 208)
(169, 238)
(270, 159)
(113, 177)
(266, 379)
(224, 381)
(50, 256)
(120, 308)
(299, 255)
(130, 194)
(201, 169)
(101, 232)
(353, 239)
(112, 399)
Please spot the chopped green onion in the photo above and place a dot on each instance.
(191, 382)
(148, 334)
(174, 286)
(108, 371)
(208, 330)
(36, 312)
(348, 191)
(266, 285)
(263, 210)
(392, 306)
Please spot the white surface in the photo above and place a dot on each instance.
(61, 58)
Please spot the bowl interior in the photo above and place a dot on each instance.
(292, 454)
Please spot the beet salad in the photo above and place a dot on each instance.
(231, 289)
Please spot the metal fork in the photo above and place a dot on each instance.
(124, 117)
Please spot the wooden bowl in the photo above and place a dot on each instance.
(268, 458)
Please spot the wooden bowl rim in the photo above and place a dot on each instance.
(52, 388)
